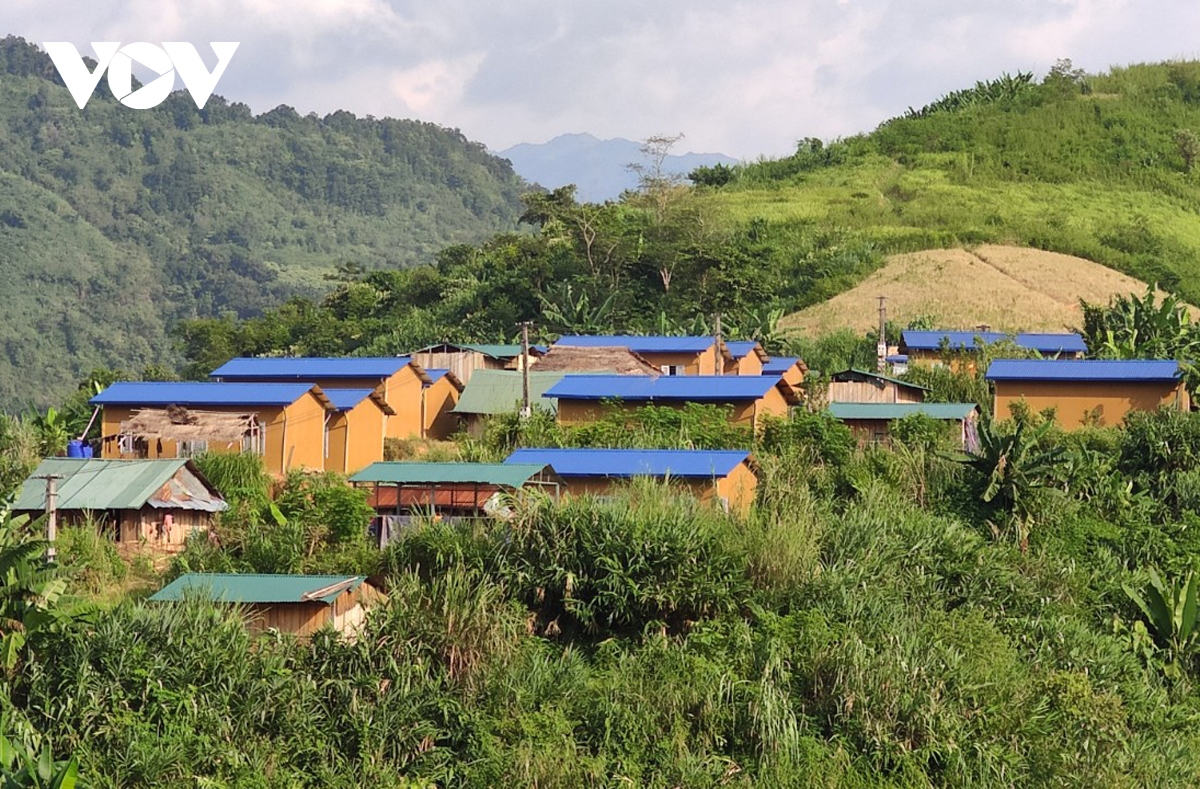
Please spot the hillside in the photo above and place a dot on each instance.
(1009, 288)
(116, 223)
(599, 168)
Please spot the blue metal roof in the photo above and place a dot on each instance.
(436, 375)
(1083, 370)
(965, 340)
(345, 399)
(187, 393)
(741, 348)
(698, 388)
(309, 368)
(898, 358)
(684, 463)
(778, 365)
(641, 344)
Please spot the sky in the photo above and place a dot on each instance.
(747, 79)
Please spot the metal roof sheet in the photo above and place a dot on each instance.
(683, 463)
(878, 376)
(252, 588)
(499, 392)
(652, 344)
(697, 388)
(510, 475)
(96, 484)
(309, 368)
(741, 348)
(778, 365)
(965, 340)
(1083, 370)
(890, 411)
(196, 394)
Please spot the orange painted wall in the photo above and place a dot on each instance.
(403, 393)
(355, 438)
(739, 488)
(440, 400)
(1076, 402)
(750, 364)
(112, 417)
(704, 363)
(773, 403)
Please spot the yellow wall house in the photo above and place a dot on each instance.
(792, 368)
(586, 398)
(397, 379)
(728, 478)
(671, 355)
(283, 423)
(748, 358)
(439, 397)
(354, 429)
(1087, 392)
(959, 348)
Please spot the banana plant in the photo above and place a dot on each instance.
(1170, 611)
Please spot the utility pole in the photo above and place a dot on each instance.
(51, 514)
(526, 407)
(717, 347)
(881, 346)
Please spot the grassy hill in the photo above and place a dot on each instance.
(1085, 165)
(1008, 288)
(116, 223)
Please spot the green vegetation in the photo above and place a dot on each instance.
(114, 225)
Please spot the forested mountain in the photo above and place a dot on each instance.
(598, 168)
(117, 223)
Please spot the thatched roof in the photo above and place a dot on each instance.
(176, 423)
(609, 358)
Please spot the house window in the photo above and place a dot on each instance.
(190, 449)
(255, 441)
(674, 369)
(130, 445)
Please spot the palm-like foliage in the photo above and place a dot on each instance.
(31, 590)
(1013, 465)
(1171, 611)
(1133, 327)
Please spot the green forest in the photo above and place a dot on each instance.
(115, 225)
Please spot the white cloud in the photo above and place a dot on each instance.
(745, 78)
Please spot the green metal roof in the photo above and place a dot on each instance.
(509, 475)
(872, 374)
(499, 391)
(120, 485)
(251, 588)
(890, 411)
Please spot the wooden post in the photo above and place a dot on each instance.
(526, 406)
(881, 346)
(720, 369)
(51, 515)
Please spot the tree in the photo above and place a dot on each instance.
(1142, 328)
(1189, 147)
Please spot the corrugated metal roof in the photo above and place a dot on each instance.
(868, 374)
(1083, 370)
(120, 485)
(778, 365)
(683, 463)
(198, 394)
(510, 475)
(309, 368)
(499, 392)
(890, 411)
(696, 388)
(741, 348)
(251, 588)
(347, 399)
(642, 344)
(965, 340)
(494, 350)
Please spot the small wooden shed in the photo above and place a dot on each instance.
(871, 422)
(463, 359)
(156, 503)
(297, 604)
(860, 386)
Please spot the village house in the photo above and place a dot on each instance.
(439, 396)
(871, 422)
(671, 355)
(593, 359)
(728, 478)
(463, 359)
(282, 423)
(1087, 392)
(747, 357)
(418, 397)
(296, 604)
(150, 503)
(937, 348)
(792, 368)
(495, 392)
(860, 386)
(354, 429)
(587, 398)
(400, 491)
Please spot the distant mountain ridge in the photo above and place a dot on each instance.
(115, 223)
(599, 168)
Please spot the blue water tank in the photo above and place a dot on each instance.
(75, 449)
(87, 451)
